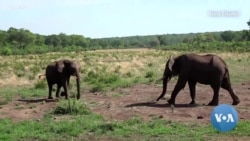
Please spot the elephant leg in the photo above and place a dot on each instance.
(227, 86)
(215, 99)
(192, 91)
(58, 90)
(50, 91)
(65, 90)
(180, 85)
(68, 80)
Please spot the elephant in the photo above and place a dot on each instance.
(59, 73)
(206, 69)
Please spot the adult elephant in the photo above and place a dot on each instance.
(192, 68)
(59, 73)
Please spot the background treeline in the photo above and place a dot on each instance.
(23, 41)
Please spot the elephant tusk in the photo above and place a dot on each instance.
(41, 75)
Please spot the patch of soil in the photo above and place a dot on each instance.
(25, 109)
(138, 100)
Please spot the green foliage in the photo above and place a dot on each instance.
(102, 80)
(41, 84)
(71, 106)
(22, 41)
(6, 51)
(149, 74)
(20, 37)
(94, 127)
(80, 124)
(227, 36)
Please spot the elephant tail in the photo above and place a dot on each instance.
(227, 76)
(40, 76)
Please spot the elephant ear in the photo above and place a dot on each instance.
(60, 66)
(171, 63)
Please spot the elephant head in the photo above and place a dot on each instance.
(69, 68)
(170, 70)
(59, 73)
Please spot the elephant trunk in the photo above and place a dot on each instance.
(165, 81)
(78, 85)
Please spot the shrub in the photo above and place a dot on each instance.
(97, 87)
(7, 51)
(71, 106)
(41, 84)
(149, 74)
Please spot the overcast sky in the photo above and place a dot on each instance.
(116, 18)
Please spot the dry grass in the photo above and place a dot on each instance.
(23, 70)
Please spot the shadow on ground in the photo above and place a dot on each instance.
(37, 100)
(159, 105)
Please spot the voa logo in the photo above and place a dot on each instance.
(224, 117)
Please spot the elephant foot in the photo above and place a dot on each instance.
(236, 102)
(171, 101)
(192, 102)
(158, 98)
(63, 94)
(50, 97)
(213, 103)
(66, 96)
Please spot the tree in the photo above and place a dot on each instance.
(79, 40)
(153, 41)
(21, 36)
(53, 40)
(227, 36)
(103, 43)
(209, 37)
(39, 40)
(3, 38)
(65, 40)
(162, 39)
(245, 35)
(186, 40)
(117, 42)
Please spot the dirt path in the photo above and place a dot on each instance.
(137, 101)
(125, 103)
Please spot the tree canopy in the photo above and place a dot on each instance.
(23, 39)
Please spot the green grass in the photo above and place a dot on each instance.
(71, 106)
(239, 70)
(91, 125)
(103, 71)
(8, 93)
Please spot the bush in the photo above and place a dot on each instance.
(41, 84)
(97, 87)
(6, 51)
(149, 74)
(71, 106)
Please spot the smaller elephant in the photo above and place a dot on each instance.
(192, 69)
(59, 73)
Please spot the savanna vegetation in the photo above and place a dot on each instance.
(25, 55)
(102, 71)
(22, 41)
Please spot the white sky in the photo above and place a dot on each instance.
(112, 18)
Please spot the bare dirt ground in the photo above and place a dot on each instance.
(124, 103)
